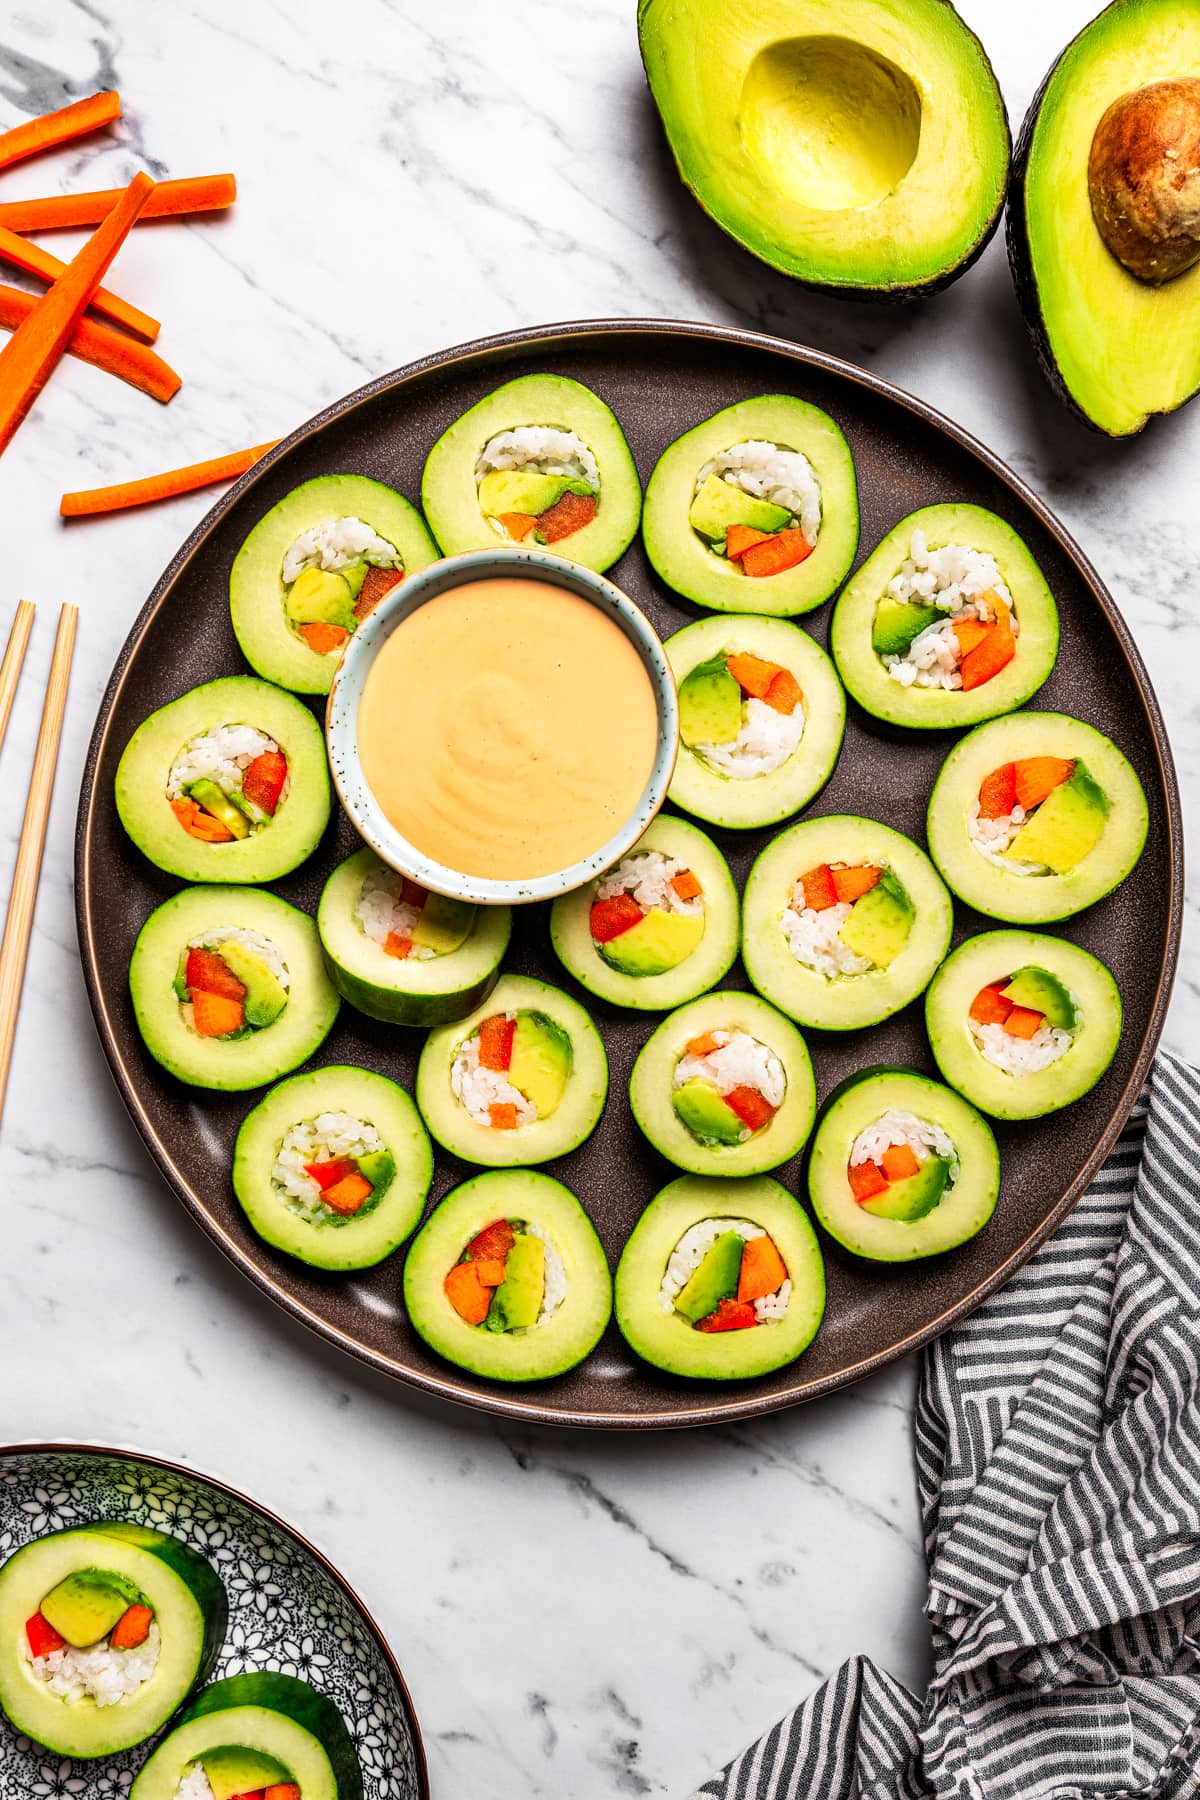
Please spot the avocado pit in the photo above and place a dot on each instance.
(1144, 179)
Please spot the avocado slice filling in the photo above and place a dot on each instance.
(90, 1607)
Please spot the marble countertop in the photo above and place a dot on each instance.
(577, 1616)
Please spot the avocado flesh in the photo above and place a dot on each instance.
(525, 491)
(541, 1061)
(1042, 992)
(232, 1771)
(700, 1106)
(1066, 826)
(713, 1280)
(898, 623)
(719, 504)
(1119, 349)
(85, 1606)
(444, 924)
(915, 1196)
(266, 996)
(379, 1168)
(659, 942)
(517, 1302)
(354, 574)
(207, 794)
(878, 924)
(321, 597)
(710, 705)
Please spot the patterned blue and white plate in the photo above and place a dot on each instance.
(289, 1609)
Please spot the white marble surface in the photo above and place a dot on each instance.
(577, 1616)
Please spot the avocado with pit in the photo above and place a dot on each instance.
(266, 995)
(898, 622)
(659, 942)
(525, 491)
(443, 924)
(517, 1302)
(322, 597)
(714, 1279)
(916, 1195)
(541, 1061)
(879, 923)
(85, 1606)
(710, 705)
(207, 794)
(700, 1106)
(232, 1771)
(1042, 992)
(1066, 827)
(719, 504)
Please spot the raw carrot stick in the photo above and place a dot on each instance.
(161, 487)
(31, 353)
(24, 255)
(58, 127)
(63, 212)
(95, 343)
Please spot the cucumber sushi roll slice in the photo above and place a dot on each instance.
(521, 1079)
(313, 567)
(725, 1087)
(229, 987)
(949, 621)
(508, 1278)
(658, 929)
(721, 1279)
(761, 718)
(333, 1167)
(901, 1167)
(844, 922)
(1035, 817)
(253, 1735)
(755, 510)
(228, 783)
(401, 954)
(107, 1628)
(541, 461)
(1022, 1024)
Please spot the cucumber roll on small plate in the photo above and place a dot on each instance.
(522, 1079)
(229, 987)
(721, 1279)
(658, 929)
(724, 1087)
(104, 1629)
(508, 1278)
(901, 1167)
(228, 783)
(253, 1736)
(333, 1167)
(1021, 1023)
(843, 922)
(761, 719)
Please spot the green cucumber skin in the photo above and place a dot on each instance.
(197, 1575)
(420, 1010)
(297, 1701)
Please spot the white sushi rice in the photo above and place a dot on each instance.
(555, 1290)
(334, 544)
(254, 941)
(222, 754)
(380, 911)
(646, 877)
(769, 472)
(195, 1785)
(690, 1252)
(764, 743)
(957, 580)
(738, 1061)
(542, 449)
(814, 941)
(1021, 1056)
(326, 1138)
(992, 837)
(923, 1138)
(98, 1673)
(478, 1088)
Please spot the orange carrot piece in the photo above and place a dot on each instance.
(899, 1161)
(100, 345)
(490, 1270)
(704, 1045)
(503, 1115)
(170, 199)
(467, 1294)
(819, 890)
(992, 653)
(36, 261)
(348, 1194)
(35, 347)
(753, 674)
(686, 885)
(866, 1180)
(763, 1270)
(739, 538)
(396, 945)
(199, 824)
(998, 792)
(1038, 776)
(852, 884)
(215, 1016)
(970, 633)
(1023, 1022)
(989, 1007)
(132, 1628)
(60, 127)
(782, 550)
(320, 636)
(166, 487)
(517, 525)
(784, 693)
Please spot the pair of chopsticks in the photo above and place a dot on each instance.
(18, 923)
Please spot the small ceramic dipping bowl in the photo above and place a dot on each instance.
(341, 722)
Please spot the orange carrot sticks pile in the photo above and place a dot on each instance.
(161, 487)
(99, 344)
(58, 127)
(31, 257)
(172, 199)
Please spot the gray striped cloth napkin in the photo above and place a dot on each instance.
(1058, 1456)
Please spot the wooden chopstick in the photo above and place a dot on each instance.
(14, 658)
(18, 923)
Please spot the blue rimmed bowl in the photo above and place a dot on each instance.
(341, 722)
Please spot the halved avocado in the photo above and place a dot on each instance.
(860, 145)
(1116, 347)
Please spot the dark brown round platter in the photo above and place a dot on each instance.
(660, 378)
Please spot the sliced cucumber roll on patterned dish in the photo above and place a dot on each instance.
(721, 1280)
(521, 1079)
(755, 510)
(333, 1167)
(229, 987)
(1022, 1024)
(313, 568)
(508, 1278)
(1035, 817)
(949, 621)
(541, 461)
(658, 929)
(253, 1735)
(901, 1167)
(724, 1087)
(106, 1629)
(401, 954)
(228, 783)
(843, 922)
(761, 718)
